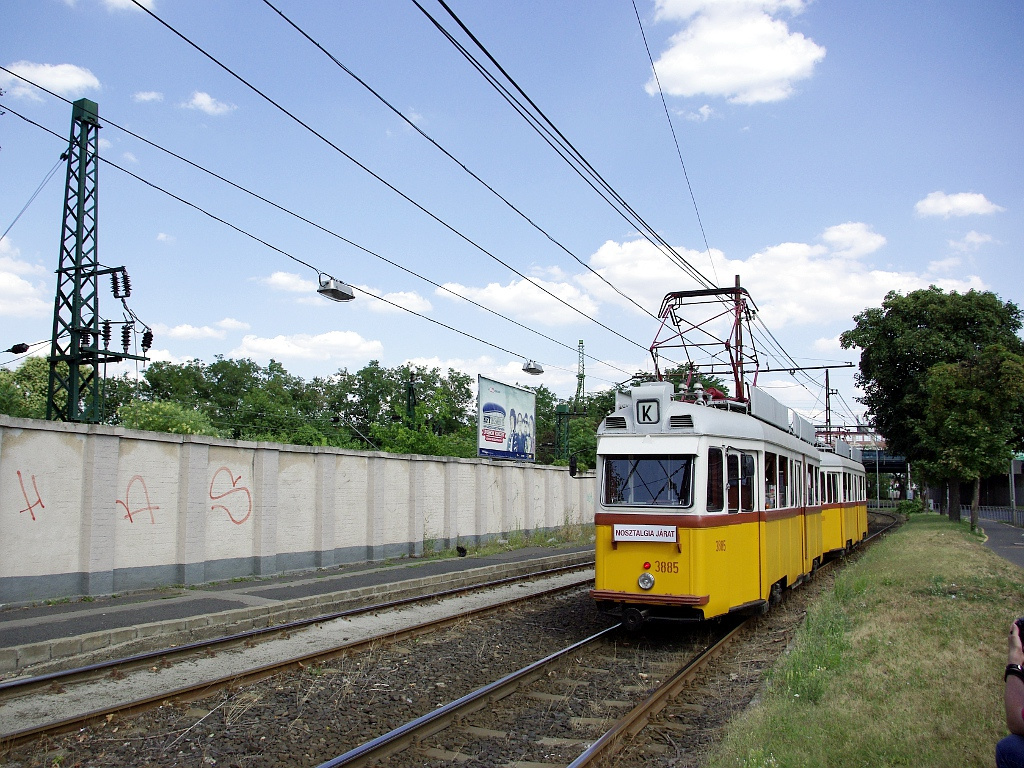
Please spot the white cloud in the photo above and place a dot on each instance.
(289, 281)
(703, 114)
(204, 102)
(972, 241)
(230, 324)
(403, 299)
(853, 239)
(21, 297)
(333, 345)
(129, 157)
(791, 283)
(192, 332)
(144, 96)
(734, 49)
(163, 237)
(944, 265)
(640, 271)
(122, 5)
(960, 204)
(524, 301)
(187, 331)
(65, 79)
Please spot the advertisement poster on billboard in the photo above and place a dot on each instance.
(506, 421)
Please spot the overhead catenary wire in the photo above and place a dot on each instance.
(34, 195)
(452, 157)
(675, 140)
(539, 121)
(282, 252)
(314, 224)
(376, 176)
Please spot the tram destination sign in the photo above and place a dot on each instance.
(644, 533)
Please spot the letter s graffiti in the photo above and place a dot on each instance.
(235, 488)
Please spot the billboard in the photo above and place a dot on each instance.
(506, 421)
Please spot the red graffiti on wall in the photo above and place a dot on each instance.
(234, 489)
(149, 507)
(30, 505)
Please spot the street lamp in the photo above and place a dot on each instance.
(533, 368)
(335, 290)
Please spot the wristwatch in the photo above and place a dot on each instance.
(1013, 669)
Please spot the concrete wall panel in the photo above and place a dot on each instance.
(40, 501)
(145, 513)
(90, 510)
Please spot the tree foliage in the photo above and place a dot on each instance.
(908, 335)
(943, 379)
(363, 409)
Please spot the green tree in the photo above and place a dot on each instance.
(164, 416)
(909, 395)
(972, 420)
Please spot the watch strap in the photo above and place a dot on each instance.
(1015, 670)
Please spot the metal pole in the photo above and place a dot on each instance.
(878, 486)
(1013, 496)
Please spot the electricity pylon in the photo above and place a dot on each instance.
(73, 391)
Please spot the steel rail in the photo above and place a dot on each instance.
(638, 717)
(400, 738)
(204, 688)
(25, 685)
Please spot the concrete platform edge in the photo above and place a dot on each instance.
(64, 653)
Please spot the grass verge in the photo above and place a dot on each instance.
(901, 664)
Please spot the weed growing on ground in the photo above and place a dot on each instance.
(901, 664)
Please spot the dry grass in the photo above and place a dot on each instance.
(900, 665)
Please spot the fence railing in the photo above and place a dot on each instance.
(1000, 514)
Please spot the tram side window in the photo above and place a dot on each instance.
(655, 480)
(748, 471)
(733, 481)
(716, 494)
(810, 486)
(798, 487)
(783, 481)
(846, 486)
(770, 480)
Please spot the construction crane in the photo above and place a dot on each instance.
(80, 342)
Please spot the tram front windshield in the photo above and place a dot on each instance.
(662, 481)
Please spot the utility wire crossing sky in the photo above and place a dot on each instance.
(500, 180)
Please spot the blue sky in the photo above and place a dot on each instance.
(836, 151)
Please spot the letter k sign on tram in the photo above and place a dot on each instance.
(648, 411)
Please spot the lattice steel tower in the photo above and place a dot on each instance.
(73, 392)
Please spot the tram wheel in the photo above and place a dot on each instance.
(633, 618)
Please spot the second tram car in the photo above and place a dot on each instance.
(708, 506)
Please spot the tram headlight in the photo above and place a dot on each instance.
(646, 580)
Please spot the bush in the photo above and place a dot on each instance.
(165, 416)
(908, 507)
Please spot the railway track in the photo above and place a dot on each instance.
(27, 705)
(476, 740)
(527, 717)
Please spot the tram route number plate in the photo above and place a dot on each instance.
(644, 533)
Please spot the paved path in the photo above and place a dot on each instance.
(1005, 540)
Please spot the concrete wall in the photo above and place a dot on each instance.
(96, 510)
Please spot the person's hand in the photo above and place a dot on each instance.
(1016, 651)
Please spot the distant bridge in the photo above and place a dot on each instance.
(885, 462)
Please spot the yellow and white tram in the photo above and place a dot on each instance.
(708, 506)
